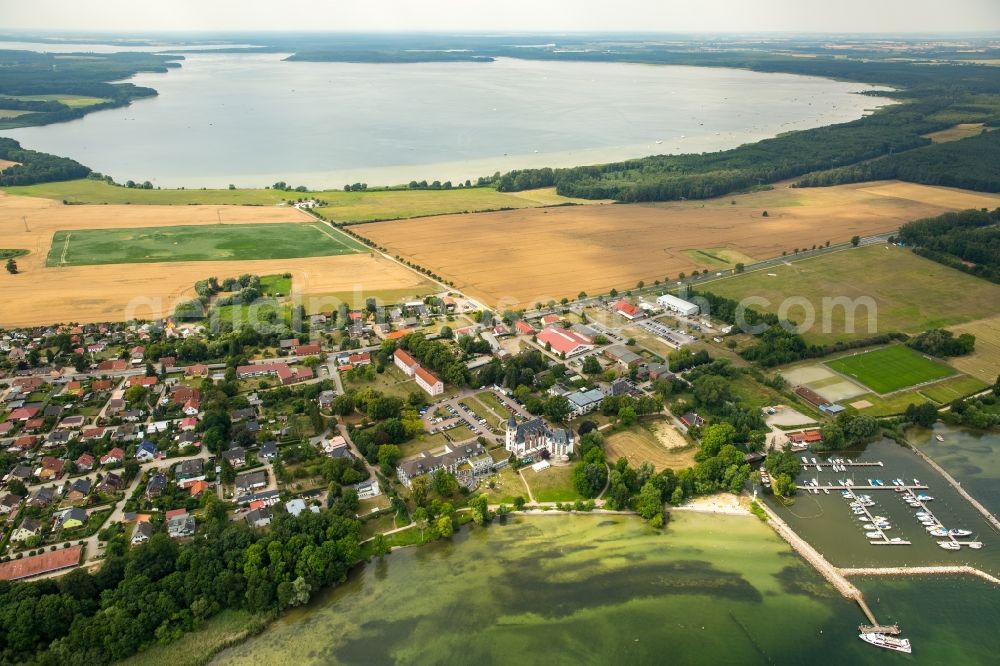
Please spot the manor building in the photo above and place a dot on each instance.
(534, 436)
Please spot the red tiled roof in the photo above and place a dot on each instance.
(39, 564)
(198, 487)
(429, 377)
(626, 308)
(562, 340)
(405, 358)
(308, 350)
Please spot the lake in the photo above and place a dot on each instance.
(601, 590)
(971, 456)
(254, 119)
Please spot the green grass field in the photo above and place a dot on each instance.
(275, 285)
(911, 294)
(12, 254)
(216, 242)
(341, 206)
(952, 389)
(890, 368)
(552, 485)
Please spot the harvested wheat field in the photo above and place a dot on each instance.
(522, 257)
(663, 448)
(40, 295)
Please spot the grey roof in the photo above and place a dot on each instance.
(190, 468)
(583, 399)
(251, 479)
(623, 354)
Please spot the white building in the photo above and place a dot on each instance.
(533, 436)
(405, 362)
(678, 305)
(428, 381)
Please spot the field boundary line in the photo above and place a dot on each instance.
(65, 250)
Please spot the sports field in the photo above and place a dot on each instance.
(340, 206)
(910, 293)
(890, 368)
(217, 242)
(526, 256)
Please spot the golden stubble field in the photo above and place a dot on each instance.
(41, 295)
(517, 258)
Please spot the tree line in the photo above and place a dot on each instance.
(968, 241)
(36, 167)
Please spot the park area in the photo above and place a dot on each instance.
(39, 294)
(890, 368)
(656, 442)
(217, 242)
(557, 252)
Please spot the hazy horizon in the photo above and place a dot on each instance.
(568, 16)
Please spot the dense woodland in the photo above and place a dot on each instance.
(968, 241)
(971, 164)
(27, 73)
(36, 167)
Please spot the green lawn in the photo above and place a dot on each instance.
(951, 389)
(264, 310)
(911, 294)
(215, 242)
(890, 368)
(340, 206)
(275, 285)
(552, 485)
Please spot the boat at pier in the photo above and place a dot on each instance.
(949, 545)
(958, 532)
(887, 642)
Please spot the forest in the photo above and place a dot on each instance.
(36, 167)
(27, 73)
(970, 164)
(968, 241)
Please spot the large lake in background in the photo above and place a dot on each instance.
(254, 119)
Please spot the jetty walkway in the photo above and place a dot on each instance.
(990, 518)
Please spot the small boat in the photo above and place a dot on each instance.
(924, 498)
(975, 545)
(805, 461)
(916, 482)
(958, 532)
(813, 461)
(949, 545)
(873, 535)
(895, 540)
(939, 438)
(887, 642)
(939, 532)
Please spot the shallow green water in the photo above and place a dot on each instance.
(971, 456)
(594, 590)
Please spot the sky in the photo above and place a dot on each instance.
(702, 16)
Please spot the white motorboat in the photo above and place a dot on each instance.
(958, 532)
(975, 545)
(949, 545)
(873, 535)
(887, 642)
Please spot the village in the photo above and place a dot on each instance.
(117, 444)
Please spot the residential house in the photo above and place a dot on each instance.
(79, 489)
(29, 527)
(113, 457)
(85, 462)
(70, 518)
(156, 485)
(52, 468)
(259, 517)
(179, 527)
(142, 533)
(336, 447)
(72, 422)
(42, 497)
(268, 451)
(367, 489)
(307, 350)
(9, 502)
(197, 487)
(58, 438)
(326, 399)
(22, 473)
(251, 481)
(196, 370)
(237, 457)
(146, 451)
(692, 420)
(190, 471)
(110, 484)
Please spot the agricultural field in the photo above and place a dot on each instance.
(556, 252)
(217, 242)
(115, 292)
(984, 362)
(658, 443)
(960, 131)
(341, 206)
(890, 369)
(910, 294)
(72, 101)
